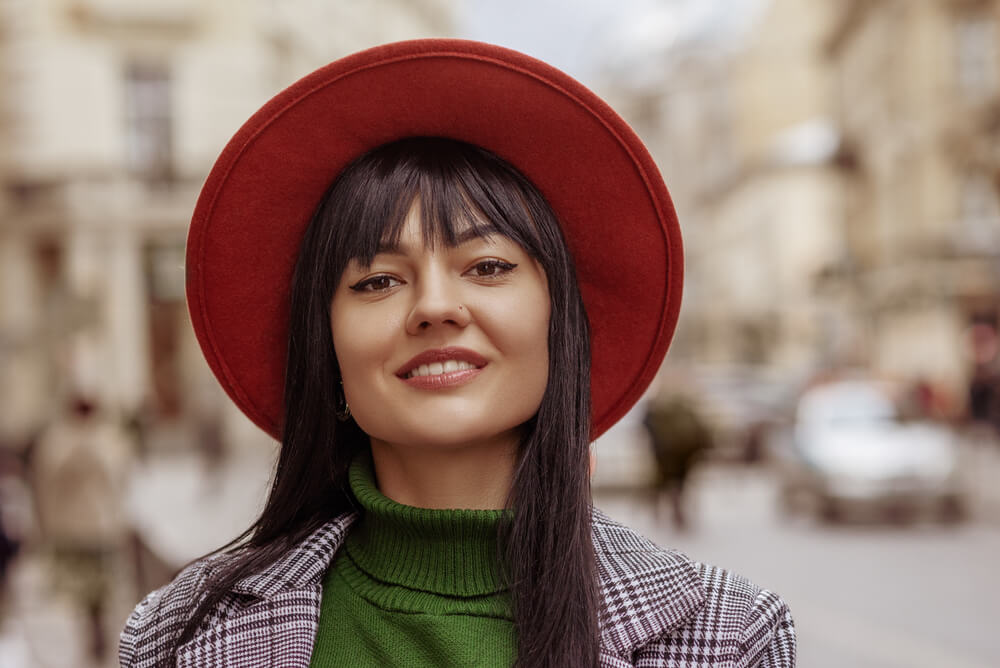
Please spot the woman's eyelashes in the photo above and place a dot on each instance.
(489, 269)
(377, 283)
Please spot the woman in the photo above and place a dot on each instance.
(443, 352)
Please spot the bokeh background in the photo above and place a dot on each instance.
(826, 421)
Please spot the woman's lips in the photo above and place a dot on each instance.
(444, 380)
(441, 368)
(440, 356)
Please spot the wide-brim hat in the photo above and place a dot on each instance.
(593, 170)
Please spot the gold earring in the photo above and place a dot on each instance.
(342, 409)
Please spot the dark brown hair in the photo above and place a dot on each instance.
(547, 555)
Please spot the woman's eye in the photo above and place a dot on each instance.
(376, 284)
(490, 268)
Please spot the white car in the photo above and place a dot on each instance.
(850, 452)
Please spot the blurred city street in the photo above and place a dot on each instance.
(864, 595)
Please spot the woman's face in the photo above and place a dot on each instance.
(443, 347)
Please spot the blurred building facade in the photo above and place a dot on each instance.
(111, 114)
(918, 101)
(741, 125)
(773, 227)
(835, 169)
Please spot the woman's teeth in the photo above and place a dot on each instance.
(438, 368)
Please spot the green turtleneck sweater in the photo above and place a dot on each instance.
(414, 587)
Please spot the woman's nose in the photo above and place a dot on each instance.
(437, 302)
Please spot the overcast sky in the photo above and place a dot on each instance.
(582, 36)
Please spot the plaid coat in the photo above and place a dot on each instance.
(660, 609)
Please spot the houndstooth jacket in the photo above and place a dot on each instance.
(660, 610)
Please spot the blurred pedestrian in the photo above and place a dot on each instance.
(12, 523)
(79, 471)
(678, 435)
(9, 547)
(983, 394)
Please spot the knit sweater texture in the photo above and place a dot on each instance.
(414, 587)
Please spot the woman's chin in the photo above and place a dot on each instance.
(451, 438)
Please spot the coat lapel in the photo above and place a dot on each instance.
(647, 591)
(271, 618)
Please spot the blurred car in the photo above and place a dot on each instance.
(850, 452)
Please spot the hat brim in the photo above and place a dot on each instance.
(594, 171)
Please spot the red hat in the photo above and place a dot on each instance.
(592, 169)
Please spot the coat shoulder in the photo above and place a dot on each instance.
(160, 617)
(663, 609)
(753, 624)
(739, 625)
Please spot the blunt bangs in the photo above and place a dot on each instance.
(460, 189)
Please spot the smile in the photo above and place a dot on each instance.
(441, 368)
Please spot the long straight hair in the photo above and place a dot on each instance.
(546, 555)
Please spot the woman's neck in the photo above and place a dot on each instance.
(473, 477)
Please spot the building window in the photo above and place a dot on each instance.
(979, 211)
(976, 51)
(148, 121)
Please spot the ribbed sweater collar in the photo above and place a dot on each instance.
(451, 552)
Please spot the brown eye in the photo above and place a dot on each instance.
(378, 283)
(491, 268)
